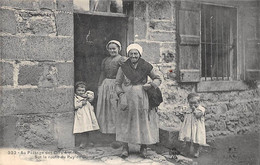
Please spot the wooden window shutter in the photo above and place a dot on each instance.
(188, 39)
(252, 58)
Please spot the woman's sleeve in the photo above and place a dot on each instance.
(102, 75)
(77, 104)
(122, 60)
(119, 81)
(155, 77)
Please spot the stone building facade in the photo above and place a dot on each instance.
(37, 71)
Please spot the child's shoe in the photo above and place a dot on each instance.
(91, 144)
(197, 154)
(125, 151)
(143, 151)
(82, 146)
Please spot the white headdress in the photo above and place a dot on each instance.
(114, 42)
(135, 46)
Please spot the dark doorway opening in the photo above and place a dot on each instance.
(91, 34)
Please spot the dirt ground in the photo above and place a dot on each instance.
(233, 150)
(229, 150)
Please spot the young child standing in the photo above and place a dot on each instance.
(85, 119)
(192, 130)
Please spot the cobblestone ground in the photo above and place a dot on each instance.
(96, 155)
(232, 150)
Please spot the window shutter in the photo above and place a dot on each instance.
(188, 39)
(252, 58)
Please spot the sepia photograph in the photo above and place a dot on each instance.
(121, 82)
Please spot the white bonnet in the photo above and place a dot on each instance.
(135, 46)
(114, 42)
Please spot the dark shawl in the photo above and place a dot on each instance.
(138, 75)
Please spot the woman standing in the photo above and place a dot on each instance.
(107, 98)
(136, 122)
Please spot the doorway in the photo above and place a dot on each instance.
(91, 34)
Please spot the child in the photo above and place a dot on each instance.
(85, 119)
(192, 129)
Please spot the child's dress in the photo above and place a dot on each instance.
(193, 129)
(85, 119)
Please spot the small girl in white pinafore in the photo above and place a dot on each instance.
(192, 130)
(85, 119)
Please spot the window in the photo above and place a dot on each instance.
(218, 43)
(207, 47)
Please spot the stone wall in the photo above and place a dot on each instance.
(233, 112)
(37, 73)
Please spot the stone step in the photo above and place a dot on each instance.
(169, 137)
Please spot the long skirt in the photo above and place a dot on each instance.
(85, 119)
(136, 124)
(193, 130)
(107, 106)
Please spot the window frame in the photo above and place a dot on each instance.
(229, 73)
(230, 84)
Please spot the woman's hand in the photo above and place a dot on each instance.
(120, 94)
(84, 102)
(147, 86)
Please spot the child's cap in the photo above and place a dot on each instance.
(191, 95)
(80, 83)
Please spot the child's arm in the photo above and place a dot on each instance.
(181, 114)
(79, 104)
(199, 112)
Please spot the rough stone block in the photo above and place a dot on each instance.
(140, 28)
(169, 46)
(162, 36)
(46, 74)
(169, 138)
(47, 4)
(37, 48)
(28, 4)
(160, 10)
(247, 94)
(49, 78)
(20, 4)
(41, 22)
(212, 97)
(140, 9)
(49, 48)
(64, 130)
(8, 45)
(8, 131)
(65, 5)
(35, 131)
(166, 26)
(65, 73)
(151, 52)
(37, 101)
(64, 24)
(29, 74)
(8, 22)
(6, 74)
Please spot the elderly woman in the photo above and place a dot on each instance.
(136, 123)
(107, 97)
